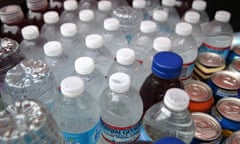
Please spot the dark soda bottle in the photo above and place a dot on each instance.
(166, 69)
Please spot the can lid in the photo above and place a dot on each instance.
(139, 4)
(72, 86)
(234, 138)
(167, 64)
(170, 3)
(183, 29)
(222, 16)
(169, 140)
(199, 5)
(125, 56)
(53, 48)
(94, 41)
(148, 26)
(119, 82)
(86, 15)
(70, 5)
(68, 29)
(160, 15)
(162, 44)
(111, 24)
(30, 32)
(84, 65)
(207, 128)
(51, 17)
(105, 5)
(192, 17)
(210, 59)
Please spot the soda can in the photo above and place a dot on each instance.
(235, 66)
(233, 54)
(201, 98)
(28, 122)
(224, 84)
(227, 113)
(207, 129)
(233, 138)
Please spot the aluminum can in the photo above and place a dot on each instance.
(235, 66)
(233, 54)
(233, 139)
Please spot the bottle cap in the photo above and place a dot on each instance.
(167, 65)
(148, 26)
(162, 44)
(192, 17)
(86, 15)
(70, 5)
(119, 82)
(11, 13)
(30, 32)
(84, 65)
(51, 17)
(169, 3)
(139, 4)
(199, 5)
(125, 56)
(222, 16)
(36, 5)
(72, 86)
(176, 99)
(111, 24)
(169, 140)
(105, 5)
(53, 48)
(183, 29)
(68, 29)
(160, 15)
(94, 41)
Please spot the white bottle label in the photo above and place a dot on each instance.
(222, 51)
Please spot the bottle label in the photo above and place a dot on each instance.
(121, 135)
(222, 51)
(187, 70)
(89, 137)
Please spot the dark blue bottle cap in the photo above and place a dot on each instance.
(169, 140)
(167, 65)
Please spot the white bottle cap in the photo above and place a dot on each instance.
(222, 16)
(105, 5)
(53, 48)
(139, 4)
(70, 5)
(111, 24)
(192, 17)
(72, 86)
(68, 29)
(176, 99)
(125, 56)
(169, 3)
(119, 82)
(162, 44)
(160, 15)
(86, 15)
(84, 65)
(199, 5)
(94, 41)
(30, 32)
(183, 29)
(148, 26)
(51, 17)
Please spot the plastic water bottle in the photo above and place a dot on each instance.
(114, 39)
(173, 16)
(56, 5)
(70, 12)
(142, 42)
(160, 17)
(31, 45)
(94, 80)
(121, 111)
(184, 44)
(50, 29)
(200, 7)
(141, 7)
(218, 34)
(95, 49)
(170, 117)
(104, 10)
(126, 62)
(30, 79)
(166, 69)
(193, 17)
(88, 4)
(77, 113)
(57, 61)
(159, 44)
(117, 3)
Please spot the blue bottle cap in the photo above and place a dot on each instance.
(167, 65)
(169, 140)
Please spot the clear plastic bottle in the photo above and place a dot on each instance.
(170, 117)
(114, 39)
(95, 49)
(32, 43)
(104, 10)
(57, 61)
(70, 12)
(218, 34)
(126, 62)
(56, 5)
(152, 5)
(94, 80)
(200, 7)
(88, 4)
(77, 113)
(50, 29)
(141, 7)
(184, 44)
(121, 111)
(119, 3)
(142, 42)
(166, 69)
